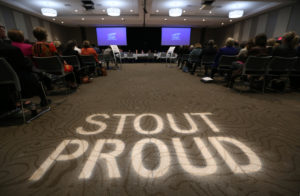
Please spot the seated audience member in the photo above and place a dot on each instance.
(96, 49)
(23, 67)
(42, 48)
(195, 58)
(270, 45)
(258, 49)
(227, 50)
(88, 50)
(3, 36)
(76, 47)
(59, 47)
(69, 51)
(290, 41)
(17, 39)
(243, 54)
(288, 46)
(209, 50)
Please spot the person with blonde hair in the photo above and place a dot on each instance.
(227, 50)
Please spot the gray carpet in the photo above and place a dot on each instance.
(182, 137)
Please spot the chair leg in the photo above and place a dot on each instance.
(42, 86)
(22, 107)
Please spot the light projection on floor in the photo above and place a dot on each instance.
(152, 137)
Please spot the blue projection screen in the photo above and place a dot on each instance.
(111, 36)
(175, 36)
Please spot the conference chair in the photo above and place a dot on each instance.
(89, 61)
(255, 68)
(54, 68)
(184, 60)
(225, 63)
(9, 77)
(280, 67)
(207, 61)
(295, 69)
(194, 61)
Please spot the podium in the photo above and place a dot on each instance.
(116, 53)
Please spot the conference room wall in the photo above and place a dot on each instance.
(274, 23)
(16, 19)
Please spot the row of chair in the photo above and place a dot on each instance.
(50, 65)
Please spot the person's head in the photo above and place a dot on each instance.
(260, 40)
(198, 45)
(243, 44)
(15, 35)
(271, 42)
(40, 33)
(211, 43)
(2, 32)
(70, 45)
(229, 42)
(57, 44)
(250, 44)
(291, 39)
(86, 44)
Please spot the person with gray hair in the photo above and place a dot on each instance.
(227, 50)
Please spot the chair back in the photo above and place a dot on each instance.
(163, 55)
(256, 65)
(185, 57)
(226, 61)
(72, 60)
(295, 69)
(208, 59)
(88, 60)
(8, 75)
(130, 55)
(53, 64)
(281, 65)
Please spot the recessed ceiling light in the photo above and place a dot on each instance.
(75, 10)
(210, 11)
(82, 18)
(122, 18)
(131, 10)
(165, 19)
(222, 23)
(62, 22)
(113, 11)
(157, 11)
(184, 19)
(203, 20)
(49, 12)
(103, 10)
(102, 18)
(230, 20)
(236, 14)
(183, 11)
(175, 12)
(53, 19)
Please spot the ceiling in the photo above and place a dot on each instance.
(72, 13)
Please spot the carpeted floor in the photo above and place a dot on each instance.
(178, 137)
